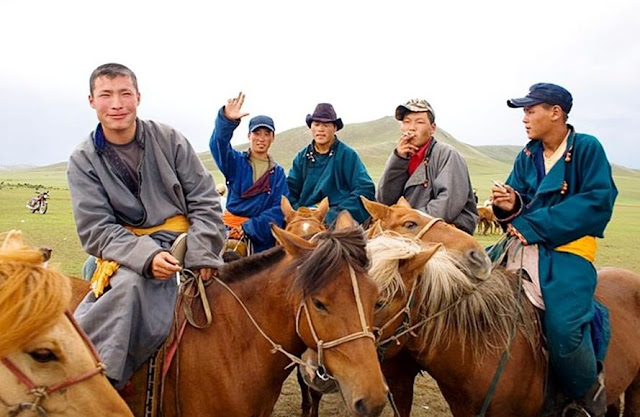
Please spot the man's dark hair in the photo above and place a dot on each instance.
(112, 70)
(548, 106)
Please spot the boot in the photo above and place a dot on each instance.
(594, 402)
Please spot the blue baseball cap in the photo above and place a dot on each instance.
(544, 93)
(261, 121)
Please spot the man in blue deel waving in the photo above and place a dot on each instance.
(255, 182)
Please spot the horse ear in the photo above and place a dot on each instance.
(402, 202)
(420, 259)
(13, 240)
(293, 245)
(376, 210)
(344, 220)
(322, 210)
(287, 210)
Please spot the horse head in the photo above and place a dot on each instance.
(48, 367)
(337, 298)
(405, 220)
(305, 222)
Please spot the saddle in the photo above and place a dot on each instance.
(524, 259)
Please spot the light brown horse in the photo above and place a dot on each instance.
(231, 369)
(405, 220)
(465, 327)
(47, 368)
(304, 222)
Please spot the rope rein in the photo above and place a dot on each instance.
(321, 345)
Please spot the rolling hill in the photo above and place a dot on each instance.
(373, 140)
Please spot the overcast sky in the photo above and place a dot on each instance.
(365, 57)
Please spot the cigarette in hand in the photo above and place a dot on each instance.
(500, 185)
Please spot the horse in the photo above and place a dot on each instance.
(304, 222)
(405, 220)
(47, 367)
(464, 326)
(487, 222)
(267, 309)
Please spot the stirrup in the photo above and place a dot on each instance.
(179, 248)
(575, 410)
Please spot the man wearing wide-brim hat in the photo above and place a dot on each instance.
(327, 167)
(431, 175)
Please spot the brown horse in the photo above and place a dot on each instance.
(47, 367)
(301, 295)
(304, 222)
(487, 222)
(465, 326)
(405, 220)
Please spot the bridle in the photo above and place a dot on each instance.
(321, 345)
(40, 393)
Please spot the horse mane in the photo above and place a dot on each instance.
(32, 296)
(480, 314)
(244, 267)
(317, 268)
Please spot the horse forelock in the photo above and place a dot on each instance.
(32, 297)
(385, 253)
(319, 266)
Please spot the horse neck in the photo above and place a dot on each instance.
(232, 352)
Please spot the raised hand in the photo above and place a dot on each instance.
(233, 108)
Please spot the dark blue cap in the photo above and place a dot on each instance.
(544, 93)
(261, 121)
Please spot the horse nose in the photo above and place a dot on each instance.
(366, 407)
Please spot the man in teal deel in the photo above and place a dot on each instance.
(559, 196)
(327, 167)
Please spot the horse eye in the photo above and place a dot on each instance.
(43, 355)
(319, 305)
(410, 225)
(379, 305)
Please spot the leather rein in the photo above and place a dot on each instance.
(40, 393)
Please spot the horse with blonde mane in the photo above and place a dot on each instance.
(47, 367)
(405, 220)
(464, 327)
(266, 310)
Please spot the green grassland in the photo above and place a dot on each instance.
(373, 140)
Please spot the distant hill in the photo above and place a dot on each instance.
(374, 141)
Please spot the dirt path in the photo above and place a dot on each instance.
(427, 401)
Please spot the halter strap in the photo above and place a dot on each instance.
(428, 226)
(321, 344)
(41, 392)
(348, 338)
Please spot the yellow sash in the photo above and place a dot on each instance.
(105, 269)
(585, 246)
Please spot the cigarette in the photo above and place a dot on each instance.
(499, 184)
(405, 133)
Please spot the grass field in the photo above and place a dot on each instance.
(56, 230)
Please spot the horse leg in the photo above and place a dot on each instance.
(632, 399)
(305, 391)
(400, 373)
